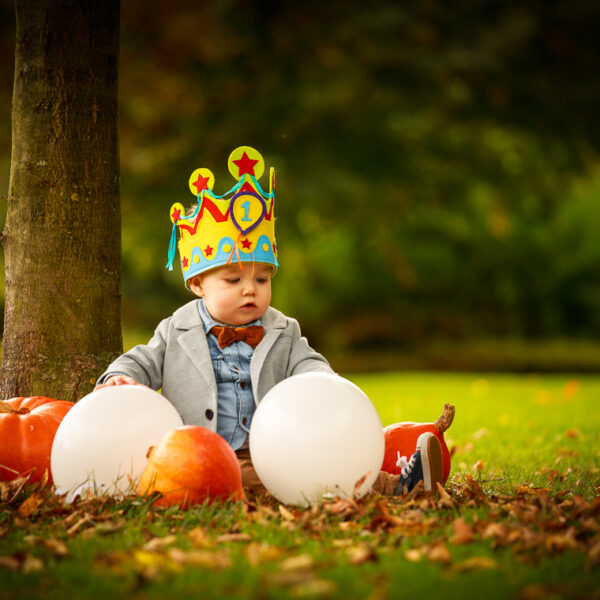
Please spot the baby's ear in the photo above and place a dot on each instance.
(195, 284)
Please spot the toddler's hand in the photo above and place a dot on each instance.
(119, 380)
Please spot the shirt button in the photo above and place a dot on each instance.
(243, 385)
(209, 414)
(244, 420)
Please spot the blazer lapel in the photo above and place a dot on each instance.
(274, 323)
(193, 342)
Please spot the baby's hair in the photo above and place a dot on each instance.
(191, 210)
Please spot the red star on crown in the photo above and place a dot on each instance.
(208, 250)
(245, 165)
(176, 215)
(246, 244)
(184, 262)
(201, 183)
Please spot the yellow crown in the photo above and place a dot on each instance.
(237, 226)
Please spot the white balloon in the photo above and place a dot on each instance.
(316, 434)
(102, 442)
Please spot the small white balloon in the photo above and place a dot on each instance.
(313, 435)
(102, 442)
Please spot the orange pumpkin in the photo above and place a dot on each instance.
(189, 466)
(402, 437)
(27, 429)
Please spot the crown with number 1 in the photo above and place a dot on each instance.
(237, 226)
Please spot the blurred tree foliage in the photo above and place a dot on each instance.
(437, 163)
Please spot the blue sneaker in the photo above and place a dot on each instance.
(426, 465)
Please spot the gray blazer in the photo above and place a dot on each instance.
(177, 359)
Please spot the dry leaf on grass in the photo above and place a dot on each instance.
(10, 562)
(200, 558)
(439, 553)
(445, 501)
(158, 543)
(360, 554)
(258, 553)
(475, 563)
(286, 514)
(300, 562)
(199, 537)
(30, 505)
(234, 537)
(463, 532)
(312, 588)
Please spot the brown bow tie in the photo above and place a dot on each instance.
(252, 334)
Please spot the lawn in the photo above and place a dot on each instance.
(519, 517)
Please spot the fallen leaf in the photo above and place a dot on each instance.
(439, 553)
(312, 588)
(537, 591)
(530, 490)
(10, 562)
(200, 558)
(10, 490)
(30, 505)
(32, 564)
(76, 526)
(199, 537)
(496, 530)
(567, 452)
(445, 500)
(571, 388)
(359, 484)
(475, 563)
(158, 543)
(463, 532)
(414, 555)
(110, 526)
(360, 554)
(480, 433)
(234, 537)
(259, 552)
(57, 547)
(299, 562)
(561, 541)
(476, 489)
(151, 564)
(341, 506)
(286, 514)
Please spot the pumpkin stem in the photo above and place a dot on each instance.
(5, 407)
(445, 419)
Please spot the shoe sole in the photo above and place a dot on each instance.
(431, 460)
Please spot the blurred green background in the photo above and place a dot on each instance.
(438, 169)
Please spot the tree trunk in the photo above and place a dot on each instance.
(62, 235)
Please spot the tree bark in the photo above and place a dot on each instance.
(61, 239)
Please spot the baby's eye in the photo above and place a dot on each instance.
(233, 280)
(261, 279)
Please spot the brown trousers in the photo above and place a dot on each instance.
(385, 483)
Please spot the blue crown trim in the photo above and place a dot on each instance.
(200, 264)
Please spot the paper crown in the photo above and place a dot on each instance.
(238, 225)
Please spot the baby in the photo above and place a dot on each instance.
(217, 356)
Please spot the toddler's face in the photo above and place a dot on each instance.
(235, 296)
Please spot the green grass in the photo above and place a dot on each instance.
(525, 458)
(518, 426)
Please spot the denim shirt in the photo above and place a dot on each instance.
(235, 400)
